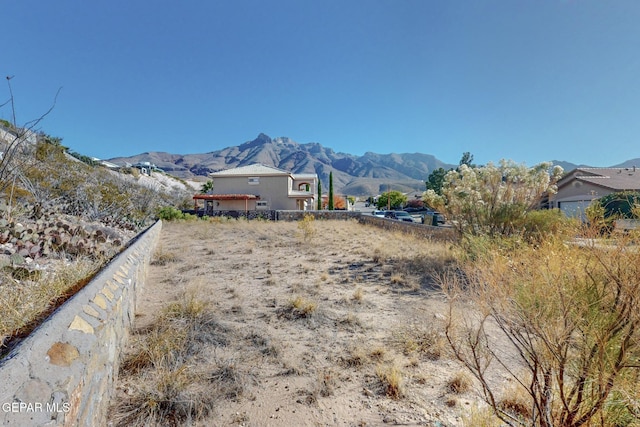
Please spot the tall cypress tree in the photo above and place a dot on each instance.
(330, 191)
(319, 195)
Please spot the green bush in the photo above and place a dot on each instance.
(541, 223)
(169, 213)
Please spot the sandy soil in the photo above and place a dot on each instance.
(318, 324)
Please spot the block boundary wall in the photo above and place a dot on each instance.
(439, 233)
(64, 372)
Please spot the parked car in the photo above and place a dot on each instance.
(379, 214)
(417, 210)
(433, 218)
(399, 215)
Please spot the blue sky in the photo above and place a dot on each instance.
(528, 80)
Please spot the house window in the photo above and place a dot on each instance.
(263, 204)
(254, 180)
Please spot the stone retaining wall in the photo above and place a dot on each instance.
(63, 373)
(441, 233)
(324, 214)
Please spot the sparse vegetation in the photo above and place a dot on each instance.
(163, 257)
(322, 333)
(358, 294)
(307, 228)
(427, 341)
(459, 383)
(572, 316)
(25, 302)
(391, 378)
(165, 384)
(299, 307)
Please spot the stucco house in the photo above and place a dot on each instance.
(259, 187)
(579, 187)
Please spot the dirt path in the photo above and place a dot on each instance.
(341, 328)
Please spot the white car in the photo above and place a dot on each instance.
(379, 214)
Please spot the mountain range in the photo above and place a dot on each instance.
(368, 174)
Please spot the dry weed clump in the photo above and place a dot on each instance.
(481, 417)
(168, 397)
(377, 353)
(164, 383)
(264, 344)
(307, 228)
(358, 294)
(459, 383)
(327, 382)
(298, 308)
(429, 342)
(357, 356)
(163, 257)
(229, 380)
(391, 379)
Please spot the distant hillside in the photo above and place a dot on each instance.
(356, 175)
(364, 175)
(629, 164)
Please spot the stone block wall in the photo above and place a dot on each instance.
(440, 233)
(63, 373)
(324, 214)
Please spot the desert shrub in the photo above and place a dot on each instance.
(603, 212)
(169, 213)
(572, 318)
(166, 387)
(493, 199)
(539, 224)
(307, 228)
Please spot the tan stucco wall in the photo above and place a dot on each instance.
(274, 189)
(234, 205)
(578, 190)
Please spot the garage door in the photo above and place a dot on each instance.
(574, 209)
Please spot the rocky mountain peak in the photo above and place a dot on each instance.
(354, 175)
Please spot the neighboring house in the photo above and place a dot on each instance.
(579, 187)
(260, 187)
(145, 168)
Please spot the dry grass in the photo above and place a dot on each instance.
(24, 303)
(481, 417)
(358, 294)
(308, 324)
(391, 378)
(163, 381)
(299, 308)
(163, 257)
(427, 341)
(459, 383)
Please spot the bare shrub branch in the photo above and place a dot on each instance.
(572, 317)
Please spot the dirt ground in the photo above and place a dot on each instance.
(326, 323)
